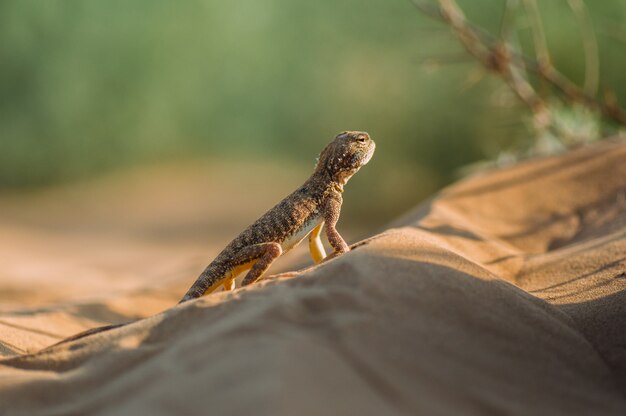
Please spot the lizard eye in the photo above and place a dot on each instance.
(361, 139)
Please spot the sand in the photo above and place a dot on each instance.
(504, 294)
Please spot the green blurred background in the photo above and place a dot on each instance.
(94, 86)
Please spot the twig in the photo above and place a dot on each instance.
(590, 46)
(495, 57)
(508, 16)
(509, 37)
(539, 36)
(498, 56)
(539, 41)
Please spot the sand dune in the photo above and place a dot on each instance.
(505, 294)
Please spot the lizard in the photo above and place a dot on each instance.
(315, 204)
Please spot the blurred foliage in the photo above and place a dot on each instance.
(94, 85)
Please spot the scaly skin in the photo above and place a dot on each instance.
(316, 203)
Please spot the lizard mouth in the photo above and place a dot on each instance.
(370, 153)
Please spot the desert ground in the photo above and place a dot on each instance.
(503, 294)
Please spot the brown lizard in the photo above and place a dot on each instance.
(304, 212)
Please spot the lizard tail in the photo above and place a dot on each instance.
(210, 278)
(187, 297)
(196, 290)
(87, 333)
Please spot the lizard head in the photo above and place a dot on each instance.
(345, 155)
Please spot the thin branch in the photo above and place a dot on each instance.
(590, 46)
(508, 33)
(518, 76)
(433, 11)
(508, 19)
(498, 56)
(539, 36)
(494, 57)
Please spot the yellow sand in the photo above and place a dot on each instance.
(505, 294)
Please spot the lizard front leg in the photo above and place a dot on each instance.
(332, 209)
(315, 244)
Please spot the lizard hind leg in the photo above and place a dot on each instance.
(257, 258)
(229, 284)
(243, 255)
(266, 253)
